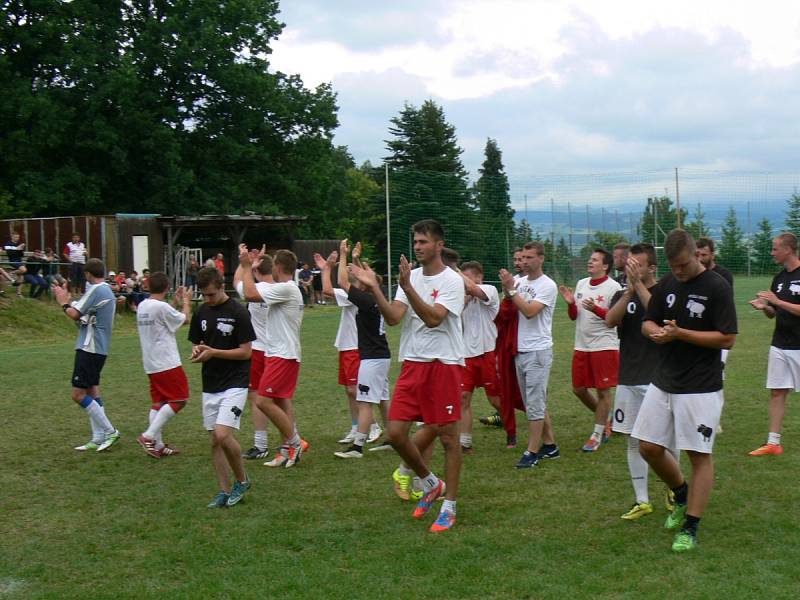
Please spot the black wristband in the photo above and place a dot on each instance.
(65, 307)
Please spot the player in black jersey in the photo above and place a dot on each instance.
(708, 258)
(781, 302)
(691, 315)
(638, 359)
(621, 253)
(373, 350)
(221, 334)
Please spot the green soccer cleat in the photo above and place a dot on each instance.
(219, 501)
(111, 439)
(669, 499)
(684, 541)
(638, 511)
(87, 446)
(676, 517)
(238, 491)
(402, 484)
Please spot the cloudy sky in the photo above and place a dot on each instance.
(565, 87)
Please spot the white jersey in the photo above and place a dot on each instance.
(347, 335)
(591, 333)
(285, 315)
(536, 333)
(445, 342)
(157, 322)
(77, 252)
(258, 317)
(480, 332)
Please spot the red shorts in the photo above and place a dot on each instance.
(348, 367)
(427, 391)
(481, 371)
(167, 386)
(599, 370)
(280, 377)
(256, 368)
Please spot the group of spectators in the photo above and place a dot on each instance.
(40, 269)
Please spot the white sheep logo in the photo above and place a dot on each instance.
(695, 309)
(225, 328)
(794, 288)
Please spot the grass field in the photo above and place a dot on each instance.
(121, 524)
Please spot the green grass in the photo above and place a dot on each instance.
(122, 524)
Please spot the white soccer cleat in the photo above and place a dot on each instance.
(375, 432)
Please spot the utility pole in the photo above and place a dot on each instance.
(677, 198)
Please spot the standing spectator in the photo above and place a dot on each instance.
(190, 282)
(316, 285)
(33, 275)
(219, 264)
(305, 279)
(15, 251)
(75, 252)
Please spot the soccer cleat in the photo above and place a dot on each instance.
(149, 446)
(219, 501)
(669, 499)
(443, 522)
(168, 450)
(111, 439)
(304, 445)
(294, 454)
(467, 450)
(494, 420)
(375, 432)
(349, 453)
(238, 491)
(348, 439)
(511, 441)
(638, 511)
(676, 517)
(380, 447)
(591, 445)
(280, 458)
(90, 445)
(766, 449)
(402, 484)
(548, 451)
(528, 461)
(684, 541)
(255, 452)
(426, 502)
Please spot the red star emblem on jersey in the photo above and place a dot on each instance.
(600, 299)
(435, 294)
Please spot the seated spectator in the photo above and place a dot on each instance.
(15, 251)
(33, 276)
(305, 279)
(50, 267)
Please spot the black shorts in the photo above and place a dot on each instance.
(86, 371)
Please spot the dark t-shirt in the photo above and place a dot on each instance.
(305, 275)
(622, 279)
(786, 286)
(33, 265)
(225, 326)
(13, 254)
(724, 273)
(704, 303)
(317, 283)
(638, 355)
(369, 324)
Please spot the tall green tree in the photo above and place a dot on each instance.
(563, 262)
(659, 218)
(698, 226)
(793, 214)
(495, 222)
(602, 239)
(761, 253)
(732, 251)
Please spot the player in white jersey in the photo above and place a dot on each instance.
(158, 323)
(595, 361)
(429, 303)
(258, 317)
(480, 335)
(282, 363)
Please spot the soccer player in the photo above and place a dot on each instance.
(534, 296)
(169, 389)
(94, 314)
(221, 336)
(429, 302)
(480, 335)
(691, 315)
(621, 252)
(374, 355)
(282, 357)
(708, 258)
(595, 361)
(259, 313)
(637, 362)
(781, 302)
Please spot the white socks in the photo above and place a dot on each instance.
(774, 438)
(429, 482)
(260, 439)
(465, 439)
(100, 424)
(597, 434)
(360, 439)
(638, 470)
(157, 421)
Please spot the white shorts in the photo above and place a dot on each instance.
(783, 369)
(373, 380)
(224, 408)
(627, 402)
(682, 421)
(723, 356)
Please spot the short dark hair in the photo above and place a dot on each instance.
(788, 239)
(705, 242)
(678, 241)
(472, 265)
(429, 227)
(95, 267)
(623, 246)
(286, 260)
(608, 258)
(209, 276)
(535, 245)
(450, 257)
(648, 249)
(265, 268)
(159, 282)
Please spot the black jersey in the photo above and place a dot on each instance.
(724, 273)
(786, 286)
(226, 327)
(704, 303)
(369, 324)
(638, 355)
(622, 279)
